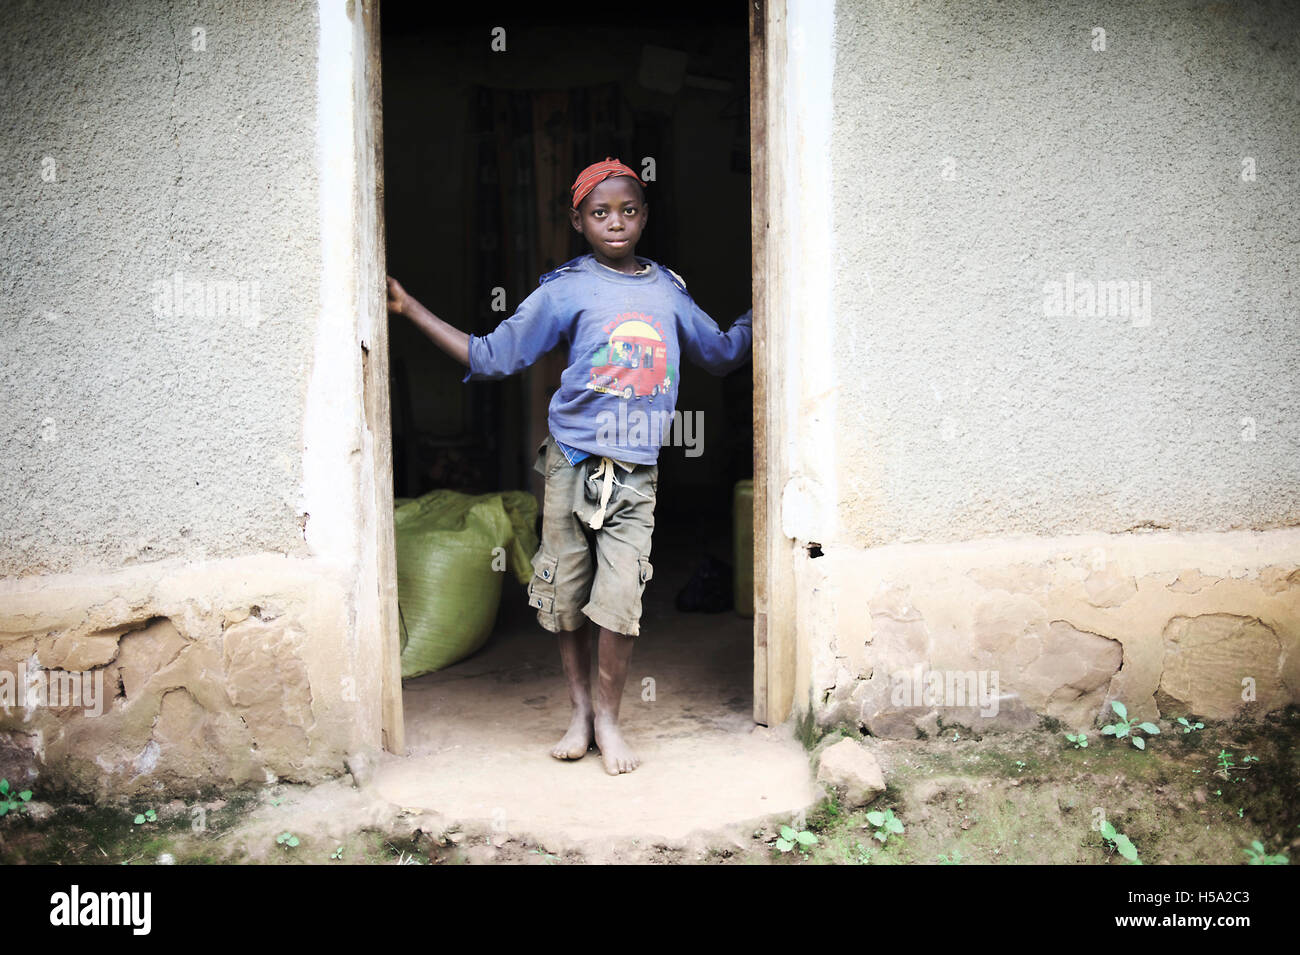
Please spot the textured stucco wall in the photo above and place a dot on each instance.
(130, 436)
(1076, 508)
(157, 465)
(981, 150)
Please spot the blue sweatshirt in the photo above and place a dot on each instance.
(626, 336)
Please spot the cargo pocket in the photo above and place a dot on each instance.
(539, 464)
(541, 589)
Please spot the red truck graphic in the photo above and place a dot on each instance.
(633, 363)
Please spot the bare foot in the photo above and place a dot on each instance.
(577, 740)
(618, 756)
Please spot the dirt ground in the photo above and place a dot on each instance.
(1024, 798)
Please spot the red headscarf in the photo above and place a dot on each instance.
(597, 173)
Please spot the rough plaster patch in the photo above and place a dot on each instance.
(197, 647)
(181, 719)
(72, 651)
(143, 653)
(16, 650)
(1192, 581)
(1071, 678)
(890, 722)
(267, 680)
(1063, 649)
(894, 642)
(148, 758)
(1006, 623)
(893, 601)
(1023, 578)
(1109, 588)
(1278, 580)
(1207, 658)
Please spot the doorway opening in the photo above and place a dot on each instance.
(487, 117)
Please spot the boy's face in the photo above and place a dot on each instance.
(611, 219)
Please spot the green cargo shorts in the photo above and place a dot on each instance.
(566, 585)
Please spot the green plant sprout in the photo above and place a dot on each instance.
(1188, 727)
(9, 799)
(1020, 765)
(1080, 740)
(955, 860)
(885, 824)
(287, 839)
(1120, 842)
(549, 859)
(1225, 763)
(791, 838)
(1127, 727)
(337, 853)
(1249, 759)
(1241, 813)
(147, 816)
(1258, 856)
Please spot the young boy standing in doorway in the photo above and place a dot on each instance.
(627, 322)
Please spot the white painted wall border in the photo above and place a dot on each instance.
(808, 405)
(333, 414)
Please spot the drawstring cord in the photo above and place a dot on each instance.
(606, 471)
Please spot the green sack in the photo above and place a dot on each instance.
(449, 570)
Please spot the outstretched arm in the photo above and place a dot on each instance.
(450, 339)
(711, 348)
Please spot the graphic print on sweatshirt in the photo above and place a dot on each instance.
(626, 335)
(634, 362)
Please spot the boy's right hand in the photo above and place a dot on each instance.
(451, 340)
(398, 300)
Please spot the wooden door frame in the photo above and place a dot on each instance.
(774, 603)
(376, 388)
(774, 595)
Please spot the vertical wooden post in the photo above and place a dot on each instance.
(758, 238)
(774, 616)
(373, 296)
